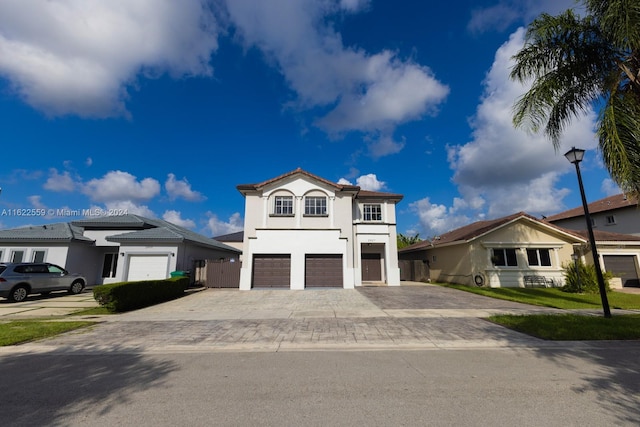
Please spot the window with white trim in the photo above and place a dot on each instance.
(372, 212)
(38, 255)
(539, 257)
(1, 253)
(109, 265)
(315, 205)
(504, 257)
(283, 205)
(611, 220)
(17, 256)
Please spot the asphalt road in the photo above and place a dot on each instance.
(492, 387)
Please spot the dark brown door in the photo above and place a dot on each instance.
(623, 266)
(323, 271)
(371, 268)
(272, 271)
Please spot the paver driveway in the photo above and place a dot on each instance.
(276, 320)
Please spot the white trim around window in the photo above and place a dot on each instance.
(283, 206)
(372, 212)
(38, 255)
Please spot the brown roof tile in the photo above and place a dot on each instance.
(603, 205)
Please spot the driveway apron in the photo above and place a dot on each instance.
(406, 317)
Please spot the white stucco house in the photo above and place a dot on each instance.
(113, 248)
(301, 231)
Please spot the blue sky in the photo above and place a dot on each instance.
(161, 108)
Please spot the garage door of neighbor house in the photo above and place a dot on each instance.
(623, 266)
(271, 271)
(323, 271)
(148, 267)
(371, 269)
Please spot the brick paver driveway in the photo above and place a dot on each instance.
(425, 317)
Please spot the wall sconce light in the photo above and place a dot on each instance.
(173, 254)
(121, 253)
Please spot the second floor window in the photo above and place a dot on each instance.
(283, 205)
(611, 220)
(372, 213)
(315, 205)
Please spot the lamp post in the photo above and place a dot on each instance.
(575, 156)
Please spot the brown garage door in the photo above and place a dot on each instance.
(323, 271)
(623, 266)
(271, 271)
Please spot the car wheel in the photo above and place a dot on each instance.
(76, 287)
(19, 293)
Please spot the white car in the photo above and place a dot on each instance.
(17, 280)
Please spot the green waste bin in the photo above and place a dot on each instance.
(179, 273)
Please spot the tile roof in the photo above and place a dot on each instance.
(476, 229)
(59, 232)
(243, 188)
(605, 236)
(618, 201)
(238, 236)
(158, 230)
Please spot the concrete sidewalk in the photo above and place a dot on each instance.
(376, 318)
(55, 304)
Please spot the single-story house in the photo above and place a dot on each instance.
(113, 248)
(301, 230)
(515, 249)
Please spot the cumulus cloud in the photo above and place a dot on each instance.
(610, 188)
(60, 181)
(218, 227)
(503, 170)
(118, 186)
(127, 207)
(366, 182)
(181, 189)
(359, 91)
(175, 217)
(499, 16)
(80, 56)
(36, 202)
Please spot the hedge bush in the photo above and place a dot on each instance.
(126, 296)
(583, 279)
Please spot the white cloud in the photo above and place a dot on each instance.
(509, 168)
(218, 227)
(383, 145)
(118, 186)
(344, 181)
(79, 56)
(60, 182)
(500, 16)
(36, 202)
(359, 91)
(175, 217)
(437, 219)
(128, 207)
(610, 188)
(88, 162)
(181, 189)
(370, 182)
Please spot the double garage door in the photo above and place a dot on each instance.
(274, 271)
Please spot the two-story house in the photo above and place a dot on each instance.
(614, 214)
(302, 231)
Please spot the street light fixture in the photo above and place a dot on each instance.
(575, 156)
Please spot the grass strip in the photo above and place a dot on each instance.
(553, 297)
(572, 327)
(21, 331)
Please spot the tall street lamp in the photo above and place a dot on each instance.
(575, 156)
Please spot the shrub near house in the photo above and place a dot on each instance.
(126, 296)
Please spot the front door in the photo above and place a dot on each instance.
(371, 268)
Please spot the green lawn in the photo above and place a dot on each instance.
(16, 332)
(553, 297)
(573, 327)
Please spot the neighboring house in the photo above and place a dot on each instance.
(504, 251)
(113, 248)
(497, 253)
(301, 230)
(615, 214)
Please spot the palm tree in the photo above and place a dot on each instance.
(577, 63)
(404, 241)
